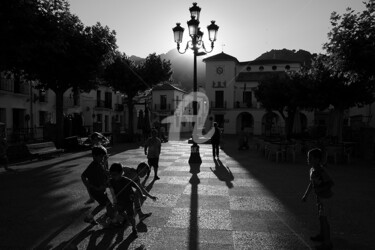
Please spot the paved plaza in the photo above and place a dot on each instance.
(255, 205)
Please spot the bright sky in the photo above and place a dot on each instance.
(247, 28)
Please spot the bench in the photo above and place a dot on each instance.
(43, 149)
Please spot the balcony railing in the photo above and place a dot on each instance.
(218, 105)
(103, 104)
(239, 104)
(8, 85)
(165, 107)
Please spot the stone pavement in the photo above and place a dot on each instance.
(246, 202)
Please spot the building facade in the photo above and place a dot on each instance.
(230, 86)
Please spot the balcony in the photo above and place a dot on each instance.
(162, 107)
(218, 105)
(9, 85)
(103, 104)
(245, 105)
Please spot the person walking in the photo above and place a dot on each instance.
(3, 152)
(215, 141)
(152, 150)
(321, 183)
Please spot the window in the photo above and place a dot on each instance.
(287, 67)
(247, 98)
(248, 68)
(42, 95)
(42, 118)
(219, 99)
(108, 100)
(98, 98)
(261, 68)
(163, 102)
(274, 67)
(3, 115)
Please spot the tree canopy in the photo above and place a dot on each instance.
(351, 46)
(129, 78)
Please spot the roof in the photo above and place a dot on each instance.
(258, 76)
(221, 57)
(167, 86)
(268, 61)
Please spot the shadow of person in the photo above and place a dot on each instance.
(223, 173)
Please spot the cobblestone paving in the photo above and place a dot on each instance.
(255, 205)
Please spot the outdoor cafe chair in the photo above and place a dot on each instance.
(275, 149)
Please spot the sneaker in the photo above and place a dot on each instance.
(318, 237)
(144, 216)
(134, 233)
(156, 178)
(89, 201)
(91, 221)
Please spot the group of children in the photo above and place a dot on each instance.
(124, 183)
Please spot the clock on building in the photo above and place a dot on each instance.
(219, 70)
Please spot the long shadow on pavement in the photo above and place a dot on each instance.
(352, 207)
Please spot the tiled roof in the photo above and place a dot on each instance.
(268, 61)
(167, 86)
(258, 76)
(221, 57)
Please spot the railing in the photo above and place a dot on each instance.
(20, 135)
(8, 85)
(243, 105)
(162, 107)
(103, 104)
(218, 105)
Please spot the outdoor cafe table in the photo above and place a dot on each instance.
(284, 147)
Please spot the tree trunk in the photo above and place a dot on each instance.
(59, 118)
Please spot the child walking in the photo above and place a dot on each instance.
(95, 178)
(152, 150)
(124, 195)
(3, 152)
(321, 183)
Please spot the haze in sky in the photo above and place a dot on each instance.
(247, 28)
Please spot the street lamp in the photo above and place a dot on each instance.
(196, 43)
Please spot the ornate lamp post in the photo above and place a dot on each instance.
(196, 43)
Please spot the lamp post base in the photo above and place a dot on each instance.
(194, 155)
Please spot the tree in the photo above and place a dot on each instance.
(129, 78)
(351, 47)
(65, 53)
(281, 93)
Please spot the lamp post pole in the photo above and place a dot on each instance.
(196, 43)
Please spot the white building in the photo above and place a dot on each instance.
(230, 88)
(165, 100)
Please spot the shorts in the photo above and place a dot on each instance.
(324, 207)
(127, 206)
(153, 162)
(100, 197)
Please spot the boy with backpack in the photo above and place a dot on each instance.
(321, 183)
